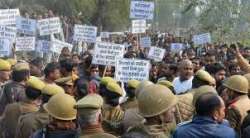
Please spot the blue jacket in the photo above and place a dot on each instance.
(204, 127)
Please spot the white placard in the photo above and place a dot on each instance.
(43, 46)
(85, 33)
(202, 39)
(156, 53)
(8, 16)
(128, 69)
(5, 47)
(49, 26)
(58, 45)
(26, 26)
(176, 47)
(107, 53)
(8, 32)
(104, 34)
(145, 41)
(142, 10)
(139, 26)
(25, 43)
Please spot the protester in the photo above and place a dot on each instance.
(208, 122)
(52, 73)
(183, 82)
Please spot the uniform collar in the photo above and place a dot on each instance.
(92, 129)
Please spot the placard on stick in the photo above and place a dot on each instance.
(8, 16)
(128, 69)
(25, 43)
(139, 26)
(107, 53)
(85, 33)
(5, 47)
(156, 53)
(58, 45)
(26, 26)
(145, 41)
(49, 26)
(176, 47)
(142, 10)
(8, 32)
(202, 39)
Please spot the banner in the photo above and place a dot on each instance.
(145, 41)
(5, 47)
(104, 34)
(8, 32)
(176, 47)
(43, 46)
(58, 45)
(141, 10)
(107, 53)
(49, 26)
(202, 39)
(128, 69)
(8, 16)
(156, 53)
(85, 33)
(26, 26)
(139, 26)
(25, 43)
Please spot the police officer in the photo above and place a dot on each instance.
(14, 91)
(131, 115)
(130, 90)
(157, 105)
(5, 70)
(31, 122)
(239, 103)
(62, 123)
(112, 112)
(89, 117)
(30, 104)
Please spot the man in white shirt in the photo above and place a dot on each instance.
(183, 82)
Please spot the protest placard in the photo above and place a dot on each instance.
(5, 47)
(49, 26)
(43, 46)
(26, 26)
(176, 47)
(202, 39)
(8, 16)
(8, 32)
(128, 69)
(145, 41)
(85, 33)
(142, 10)
(25, 43)
(156, 53)
(58, 45)
(107, 53)
(104, 34)
(139, 26)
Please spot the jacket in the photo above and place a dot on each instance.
(204, 127)
(237, 111)
(12, 92)
(11, 115)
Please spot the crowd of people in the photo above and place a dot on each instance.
(198, 92)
